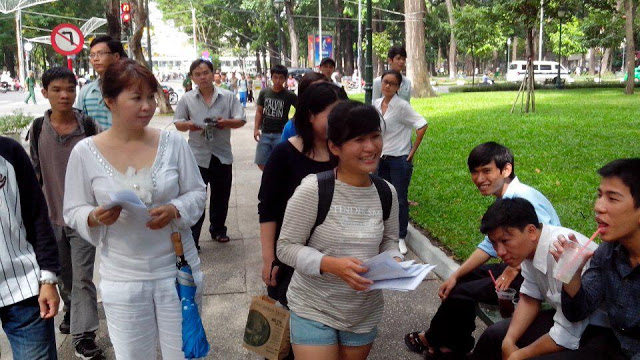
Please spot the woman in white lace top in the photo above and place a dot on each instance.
(137, 258)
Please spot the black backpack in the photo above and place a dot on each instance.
(326, 185)
(87, 123)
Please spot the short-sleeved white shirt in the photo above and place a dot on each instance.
(399, 121)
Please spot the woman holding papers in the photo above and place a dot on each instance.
(137, 257)
(333, 316)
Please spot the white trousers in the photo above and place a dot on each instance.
(139, 313)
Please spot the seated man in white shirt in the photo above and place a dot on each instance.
(520, 240)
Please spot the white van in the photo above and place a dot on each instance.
(543, 71)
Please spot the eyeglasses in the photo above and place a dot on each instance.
(99, 54)
(389, 83)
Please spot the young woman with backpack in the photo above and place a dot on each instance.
(333, 316)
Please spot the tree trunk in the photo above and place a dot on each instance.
(606, 63)
(629, 12)
(514, 49)
(531, 96)
(417, 70)
(272, 55)
(453, 46)
(265, 68)
(337, 41)
(139, 19)
(258, 65)
(113, 19)
(348, 49)
(592, 61)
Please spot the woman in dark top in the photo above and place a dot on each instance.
(292, 160)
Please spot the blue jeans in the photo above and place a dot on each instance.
(267, 142)
(243, 98)
(397, 170)
(308, 332)
(31, 337)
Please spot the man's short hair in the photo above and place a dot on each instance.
(396, 50)
(329, 61)
(628, 171)
(279, 69)
(114, 45)
(485, 153)
(199, 62)
(56, 73)
(509, 213)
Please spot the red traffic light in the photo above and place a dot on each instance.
(125, 12)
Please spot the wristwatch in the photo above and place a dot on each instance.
(48, 282)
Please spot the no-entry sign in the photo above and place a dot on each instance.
(67, 39)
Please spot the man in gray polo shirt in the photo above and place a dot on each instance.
(211, 144)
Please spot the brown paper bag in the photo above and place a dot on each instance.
(267, 329)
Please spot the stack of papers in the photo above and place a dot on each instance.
(129, 202)
(389, 274)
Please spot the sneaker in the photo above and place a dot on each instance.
(88, 350)
(65, 325)
(403, 247)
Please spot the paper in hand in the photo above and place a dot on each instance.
(129, 202)
(389, 274)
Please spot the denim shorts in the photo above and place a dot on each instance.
(265, 146)
(309, 332)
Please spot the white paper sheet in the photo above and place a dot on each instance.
(130, 202)
(389, 274)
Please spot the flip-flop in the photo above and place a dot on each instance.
(413, 342)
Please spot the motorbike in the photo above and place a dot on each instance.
(5, 86)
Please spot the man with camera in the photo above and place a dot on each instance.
(209, 113)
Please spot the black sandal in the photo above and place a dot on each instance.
(413, 342)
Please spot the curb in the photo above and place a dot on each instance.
(430, 254)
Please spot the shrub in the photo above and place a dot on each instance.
(14, 123)
(516, 87)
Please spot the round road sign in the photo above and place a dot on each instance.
(67, 39)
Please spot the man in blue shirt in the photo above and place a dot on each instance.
(103, 51)
(492, 171)
(613, 278)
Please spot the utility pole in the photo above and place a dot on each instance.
(368, 86)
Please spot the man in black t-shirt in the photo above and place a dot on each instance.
(272, 114)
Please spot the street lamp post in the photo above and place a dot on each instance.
(279, 4)
(561, 13)
(27, 48)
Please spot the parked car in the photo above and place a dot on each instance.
(298, 73)
(543, 71)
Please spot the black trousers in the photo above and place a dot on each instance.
(454, 322)
(219, 176)
(596, 342)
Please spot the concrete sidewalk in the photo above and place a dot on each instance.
(233, 274)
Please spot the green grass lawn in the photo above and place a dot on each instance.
(557, 151)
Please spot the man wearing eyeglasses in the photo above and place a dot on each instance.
(103, 51)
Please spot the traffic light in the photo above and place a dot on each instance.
(125, 13)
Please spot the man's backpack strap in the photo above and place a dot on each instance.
(386, 197)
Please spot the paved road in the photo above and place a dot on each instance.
(232, 274)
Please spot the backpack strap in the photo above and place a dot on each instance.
(32, 136)
(326, 185)
(386, 197)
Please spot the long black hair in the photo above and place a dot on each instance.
(315, 99)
